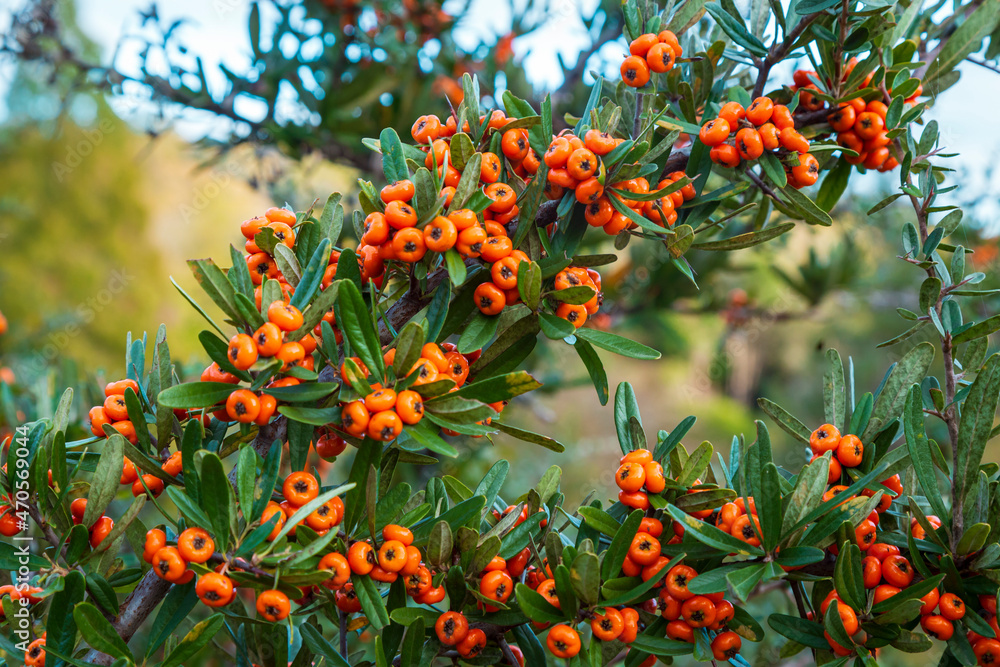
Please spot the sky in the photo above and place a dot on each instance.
(217, 32)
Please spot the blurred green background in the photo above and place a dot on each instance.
(102, 201)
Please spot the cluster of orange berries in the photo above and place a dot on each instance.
(639, 475)
(383, 413)
(648, 53)
(298, 489)
(860, 125)
(848, 452)
(684, 611)
(496, 582)
(214, 589)
(262, 267)
(243, 405)
(114, 411)
(847, 449)
(101, 528)
(762, 126)
(575, 164)
(888, 572)
(452, 629)
(392, 233)
(261, 264)
(114, 406)
(577, 276)
(385, 562)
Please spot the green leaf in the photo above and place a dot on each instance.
(746, 579)
(393, 159)
(977, 330)
(456, 408)
(195, 395)
(371, 601)
(599, 519)
(313, 638)
(215, 284)
(194, 641)
(735, 28)
(712, 536)
(312, 276)
(704, 500)
(61, 624)
(978, 413)
(356, 324)
(696, 464)
(98, 632)
(785, 420)
(331, 220)
(516, 540)
(536, 607)
(973, 539)
(457, 272)
(479, 331)
(268, 477)
(626, 408)
(216, 498)
(175, 608)
(714, 580)
(848, 577)
(427, 437)
(919, 448)
(303, 393)
(107, 478)
(807, 633)
(617, 344)
(499, 388)
(660, 645)
(410, 655)
(591, 361)
(834, 390)
(809, 210)
(246, 475)
(585, 577)
(439, 545)
(833, 186)
(912, 368)
(966, 40)
(239, 274)
(808, 492)
(769, 506)
(746, 240)
(529, 436)
(554, 327)
(313, 416)
(576, 296)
